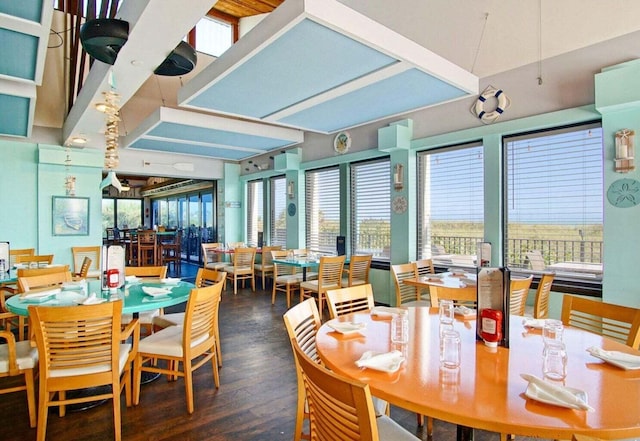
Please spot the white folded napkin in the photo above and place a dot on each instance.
(622, 359)
(153, 291)
(80, 285)
(131, 279)
(386, 311)
(346, 327)
(93, 299)
(555, 394)
(170, 281)
(386, 361)
(41, 293)
(464, 311)
(529, 322)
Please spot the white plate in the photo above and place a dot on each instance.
(156, 292)
(533, 393)
(71, 297)
(627, 366)
(170, 281)
(346, 327)
(390, 365)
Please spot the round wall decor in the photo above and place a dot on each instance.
(399, 204)
(342, 143)
(624, 193)
(502, 102)
(291, 209)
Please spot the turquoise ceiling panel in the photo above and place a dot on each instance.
(19, 54)
(15, 115)
(213, 136)
(190, 149)
(307, 60)
(401, 93)
(28, 9)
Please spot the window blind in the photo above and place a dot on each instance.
(322, 216)
(255, 204)
(279, 211)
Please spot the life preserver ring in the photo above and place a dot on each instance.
(489, 117)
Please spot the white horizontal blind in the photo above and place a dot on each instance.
(370, 209)
(322, 217)
(555, 200)
(279, 211)
(255, 210)
(451, 203)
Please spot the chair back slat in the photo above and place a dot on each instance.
(208, 277)
(146, 271)
(466, 296)
(405, 293)
(79, 253)
(350, 299)
(518, 292)
(13, 254)
(359, 267)
(37, 259)
(541, 306)
(42, 281)
(330, 270)
(201, 317)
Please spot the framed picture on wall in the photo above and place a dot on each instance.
(70, 216)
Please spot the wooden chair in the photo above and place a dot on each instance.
(26, 284)
(13, 254)
(407, 294)
(329, 277)
(340, 408)
(84, 269)
(147, 248)
(29, 272)
(541, 305)
(358, 271)
(265, 267)
(170, 251)
(182, 345)
(211, 258)
(145, 272)
(94, 253)
(518, 292)
(425, 267)
(535, 260)
(18, 359)
(618, 322)
(44, 259)
(204, 277)
(285, 278)
(242, 268)
(79, 347)
(466, 296)
(351, 299)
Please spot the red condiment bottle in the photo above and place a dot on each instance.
(491, 326)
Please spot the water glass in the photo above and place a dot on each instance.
(450, 349)
(3, 266)
(554, 360)
(446, 311)
(400, 328)
(552, 330)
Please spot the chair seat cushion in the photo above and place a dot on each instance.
(390, 430)
(166, 320)
(27, 357)
(166, 342)
(94, 273)
(216, 265)
(125, 348)
(289, 279)
(146, 317)
(240, 270)
(312, 285)
(417, 303)
(354, 282)
(263, 267)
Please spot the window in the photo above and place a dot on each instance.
(255, 211)
(554, 213)
(213, 37)
(370, 209)
(451, 204)
(322, 196)
(121, 213)
(279, 211)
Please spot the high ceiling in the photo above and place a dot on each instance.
(470, 39)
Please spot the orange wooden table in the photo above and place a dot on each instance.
(486, 391)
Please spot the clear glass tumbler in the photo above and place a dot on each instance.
(400, 328)
(446, 311)
(552, 330)
(450, 349)
(554, 360)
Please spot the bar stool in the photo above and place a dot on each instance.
(170, 251)
(147, 248)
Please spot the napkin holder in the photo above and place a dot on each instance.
(115, 259)
(493, 292)
(5, 260)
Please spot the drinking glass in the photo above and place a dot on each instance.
(554, 360)
(400, 328)
(446, 311)
(552, 330)
(450, 349)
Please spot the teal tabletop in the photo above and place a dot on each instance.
(135, 299)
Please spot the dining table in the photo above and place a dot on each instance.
(486, 391)
(304, 263)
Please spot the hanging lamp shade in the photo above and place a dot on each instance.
(103, 38)
(180, 61)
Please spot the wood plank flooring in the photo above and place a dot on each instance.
(256, 399)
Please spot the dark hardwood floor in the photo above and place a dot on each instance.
(256, 399)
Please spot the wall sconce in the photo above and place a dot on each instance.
(291, 189)
(624, 161)
(398, 177)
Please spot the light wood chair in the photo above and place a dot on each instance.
(541, 304)
(84, 269)
(43, 259)
(145, 272)
(18, 359)
(147, 248)
(358, 271)
(204, 277)
(425, 268)
(329, 277)
(191, 345)
(518, 292)
(285, 278)
(242, 268)
(618, 322)
(92, 252)
(13, 254)
(350, 299)
(466, 296)
(29, 272)
(535, 260)
(338, 405)
(29, 283)
(265, 267)
(408, 295)
(170, 250)
(79, 347)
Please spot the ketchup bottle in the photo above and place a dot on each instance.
(491, 326)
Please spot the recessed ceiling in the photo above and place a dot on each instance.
(24, 32)
(192, 133)
(321, 66)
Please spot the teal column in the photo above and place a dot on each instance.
(289, 163)
(233, 212)
(617, 91)
(493, 197)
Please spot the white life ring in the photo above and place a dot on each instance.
(489, 117)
